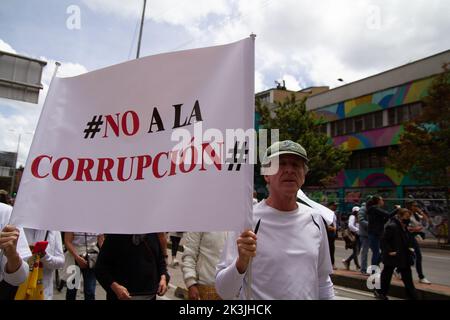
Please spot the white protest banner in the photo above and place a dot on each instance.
(143, 146)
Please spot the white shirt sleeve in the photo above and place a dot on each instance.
(16, 278)
(326, 289)
(21, 274)
(190, 258)
(54, 257)
(228, 280)
(352, 225)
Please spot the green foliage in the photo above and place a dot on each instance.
(424, 149)
(296, 124)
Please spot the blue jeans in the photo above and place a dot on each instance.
(418, 254)
(374, 244)
(364, 240)
(89, 284)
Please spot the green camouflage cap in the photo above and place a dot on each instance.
(285, 147)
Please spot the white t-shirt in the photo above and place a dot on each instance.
(21, 274)
(54, 258)
(292, 258)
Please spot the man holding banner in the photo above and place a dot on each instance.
(290, 252)
(14, 252)
(149, 130)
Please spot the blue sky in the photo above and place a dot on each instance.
(303, 42)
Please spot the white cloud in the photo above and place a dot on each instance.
(185, 13)
(325, 40)
(315, 42)
(6, 47)
(305, 43)
(291, 82)
(259, 81)
(67, 69)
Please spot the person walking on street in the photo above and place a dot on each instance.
(353, 226)
(397, 252)
(377, 218)
(363, 236)
(416, 229)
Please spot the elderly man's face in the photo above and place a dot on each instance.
(290, 176)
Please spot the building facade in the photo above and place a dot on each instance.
(7, 165)
(367, 118)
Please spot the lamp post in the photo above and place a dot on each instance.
(138, 52)
(13, 178)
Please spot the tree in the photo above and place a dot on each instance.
(296, 124)
(424, 149)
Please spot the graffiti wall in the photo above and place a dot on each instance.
(323, 196)
(433, 202)
(375, 177)
(370, 139)
(408, 93)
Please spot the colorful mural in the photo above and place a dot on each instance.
(323, 196)
(408, 93)
(375, 177)
(433, 201)
(370, 139)
(382, 137)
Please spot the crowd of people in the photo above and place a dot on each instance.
(288, 236)
(393, 239)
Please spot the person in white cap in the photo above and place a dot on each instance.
(290, 255)
(353, 225)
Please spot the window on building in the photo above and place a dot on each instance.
(369, 158)
(364, 160)
(415, 110)
(353, 161)
(340, 127)
(392, 117)
(402, 114)
(396, 115)
(368, 121)
(375, 159)
(349, 126)
(359, 124)
(322, 128)
(265, 97)
(378, 119)
(333, 128)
